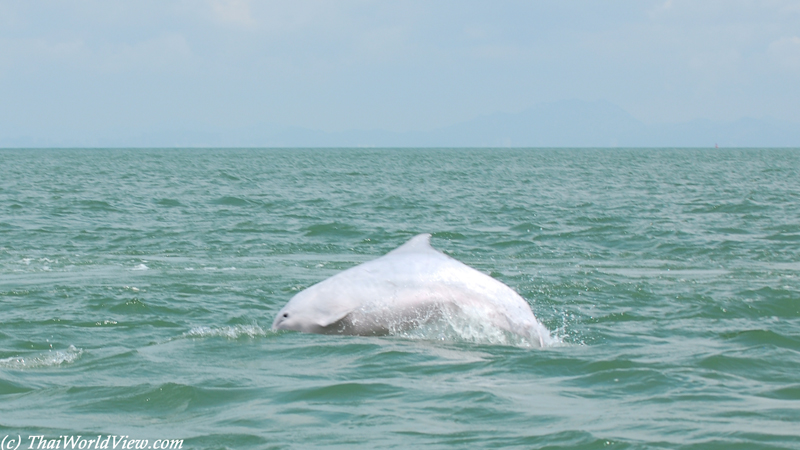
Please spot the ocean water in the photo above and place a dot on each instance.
(138, 287)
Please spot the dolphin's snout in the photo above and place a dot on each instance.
(276, 324)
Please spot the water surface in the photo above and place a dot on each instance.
(137, 288)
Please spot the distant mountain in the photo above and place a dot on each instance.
(746, 132)
(572, 123)
(562, 124)
(602, 124)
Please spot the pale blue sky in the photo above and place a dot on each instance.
(105, 67)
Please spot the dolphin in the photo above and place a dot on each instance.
(408, 287)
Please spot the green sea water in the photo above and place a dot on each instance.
(138, 287)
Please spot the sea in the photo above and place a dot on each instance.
(138, 289)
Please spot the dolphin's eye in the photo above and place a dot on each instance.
(285, 314)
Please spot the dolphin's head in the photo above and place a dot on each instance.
(295, 318)
(312, 310)
(286, 320)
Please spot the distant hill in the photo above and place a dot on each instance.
(570, 123)
(563, 124)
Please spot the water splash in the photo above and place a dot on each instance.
(50, 359)
(468, 325)
(230, 332)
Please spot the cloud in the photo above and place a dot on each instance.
(158, 53)
(26, 52)
(785, 52)
(660, 9)
(415, 64)
(499, 52)
(232, 12)
(152, 54)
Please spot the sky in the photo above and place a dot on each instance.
(114, 68)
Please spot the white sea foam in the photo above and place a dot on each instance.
(230, 332)
(141, 267)
(49, 359)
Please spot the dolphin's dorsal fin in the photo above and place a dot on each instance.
(420, 243)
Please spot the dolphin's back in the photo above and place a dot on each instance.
(409, 286)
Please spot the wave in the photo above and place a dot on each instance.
(230, 332)
(50, 359)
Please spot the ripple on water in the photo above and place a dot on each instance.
(669, 277)
(53, 358)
